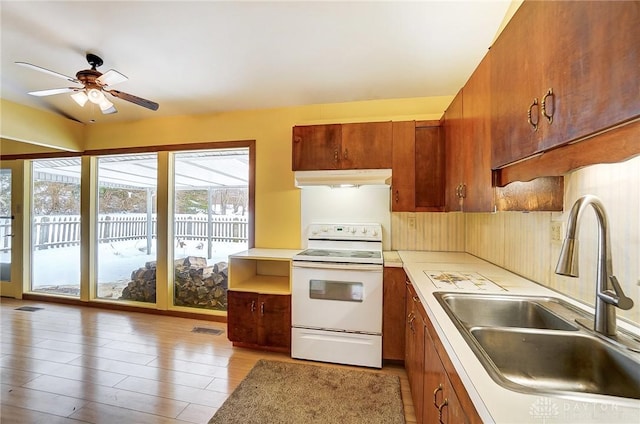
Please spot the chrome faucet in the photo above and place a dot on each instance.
(608, 291)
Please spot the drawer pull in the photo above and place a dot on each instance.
(533, 125)
(440, 408)
(435, 395)
(544, 106)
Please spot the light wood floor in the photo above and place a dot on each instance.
(68, 364)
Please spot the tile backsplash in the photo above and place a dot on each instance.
(521, 242)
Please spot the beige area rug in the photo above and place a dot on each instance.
(281, 392)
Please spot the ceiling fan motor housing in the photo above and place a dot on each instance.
(88, 78)
(94, 61)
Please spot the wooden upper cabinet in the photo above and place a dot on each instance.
(468, 146)
(367, 145)
(403, 179)
(418, 167)
(342, 146)
(572, 65)
(454, 145)
(429, 168)
(316, 147)
(477, 191)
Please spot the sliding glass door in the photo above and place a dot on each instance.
(7, 285)
(55, 226)
(211, 221)
(126, 227)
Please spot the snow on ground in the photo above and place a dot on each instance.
(115, 262)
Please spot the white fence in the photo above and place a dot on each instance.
(61, 231)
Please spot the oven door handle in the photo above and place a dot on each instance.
(341, 266)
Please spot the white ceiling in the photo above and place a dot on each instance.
(210, 56)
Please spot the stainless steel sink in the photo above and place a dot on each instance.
(506, 311)
(532, 344)
(557, 362)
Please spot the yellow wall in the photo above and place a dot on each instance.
(277, 200)
(37, 127)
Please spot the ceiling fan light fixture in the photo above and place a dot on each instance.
(80, 97)
(95, 96)
(105, 104)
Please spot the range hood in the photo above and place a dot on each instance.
(343, 178)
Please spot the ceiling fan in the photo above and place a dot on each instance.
(94, 85)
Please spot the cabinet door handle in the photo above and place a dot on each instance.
(397, 196)
(435, 395)
(416, 299)
(533, 125)
(413, 317)
(346, 153)
(261, 308)
(335, 155)
(544, 106)
(253, 306)
(463, 191)
(440, 408)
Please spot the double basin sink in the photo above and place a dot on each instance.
(534, 345)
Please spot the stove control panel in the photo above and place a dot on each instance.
(345, 231)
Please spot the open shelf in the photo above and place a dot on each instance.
(260, 275)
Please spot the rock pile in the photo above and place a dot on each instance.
(196, 284)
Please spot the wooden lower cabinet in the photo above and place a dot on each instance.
(441, 404)
(259, 320)
(437, 392)
(393, 313)
(414, 350)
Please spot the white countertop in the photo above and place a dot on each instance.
(264, 253)
(493, 402)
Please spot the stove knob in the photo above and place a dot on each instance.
(314, 232)
(364, 230)
(353, 230)
(375, 233)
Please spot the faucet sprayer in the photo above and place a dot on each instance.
(608, 290)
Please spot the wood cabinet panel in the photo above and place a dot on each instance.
(592, 61)
(586, 53)
(478, 193)
(242, 319)
(469, 178)
(316, 147)
(403, 183)
(414, 351)
(393, 313)
(274, 328)
(418, 167)
(259, 320)
(367, 145)
(516, 83)
(454, 144)
(429, 174)
(460, 408)
(432, 376)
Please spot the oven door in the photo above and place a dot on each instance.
(337, 297)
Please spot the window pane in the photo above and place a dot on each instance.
(126, 227)
(211, 222)
(55, 228)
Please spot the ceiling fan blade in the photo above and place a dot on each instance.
(47, 71)
(54, 91)
(111, 77)
(134, 99)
